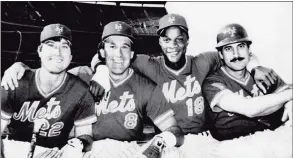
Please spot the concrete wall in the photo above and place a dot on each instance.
(269, 25)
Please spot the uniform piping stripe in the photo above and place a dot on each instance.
(164, 117)
(247, 77)
(178, 71)
(5, 115)
(86, 121)
(281, 88)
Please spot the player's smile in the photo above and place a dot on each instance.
(174, 43)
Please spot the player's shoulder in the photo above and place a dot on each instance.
(142, 81)
(201, 57)
(27, 78)
(76, 82)
(217, 75)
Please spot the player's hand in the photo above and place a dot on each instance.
(97, 90)
(172, 152)
(264, 77)
(73, 149)
(51, 153)
(12, 75)
(100, 83)
(287, 115)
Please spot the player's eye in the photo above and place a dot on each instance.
(50, 44)
(112, 46)
(65, 47)
(125, 47)
(166, 40)
(180, 40)
(242, 45)
(227, 49)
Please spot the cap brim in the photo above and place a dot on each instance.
(132, 38)
(225, 42)
(160, 31)
(70, 40)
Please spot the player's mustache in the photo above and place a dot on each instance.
(235, 59)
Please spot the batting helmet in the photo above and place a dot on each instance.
(172, 20)
(232, 33)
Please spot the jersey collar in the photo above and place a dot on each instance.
(39, 88)
(176, 72)
(247, 77)
(116, 84)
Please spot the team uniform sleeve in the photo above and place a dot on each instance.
(213, 90)
(85, 114)
(6, 104)
(157, 108)
(83, 72)
(280, 85)
(208, 62)
(144, 64)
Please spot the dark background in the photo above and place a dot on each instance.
(22, 23)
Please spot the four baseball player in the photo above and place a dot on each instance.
(233, 101)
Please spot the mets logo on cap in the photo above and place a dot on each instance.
(230, 31)
(118, 27)
(59, 29)
(171, 19)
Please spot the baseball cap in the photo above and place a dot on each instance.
(117, 28)
(55, 30)
(172, 20)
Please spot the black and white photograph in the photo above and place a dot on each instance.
(146, 79)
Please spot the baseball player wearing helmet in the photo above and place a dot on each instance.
(239, 107)
(60, 99)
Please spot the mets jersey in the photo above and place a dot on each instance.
(69, 104)
(229, 125)
(182, 88)
(122, 112)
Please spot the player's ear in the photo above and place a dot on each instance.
(102, 52)
(132, 54)
(220, 54)
(39, 49)
(160, 41)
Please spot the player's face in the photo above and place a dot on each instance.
(174, 43)
(55, 55)
(118, 54)
(236, 55)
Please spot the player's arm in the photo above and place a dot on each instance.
(163, 117)
(211, 61)
(83, 120)
(6, 110)
(222, 98)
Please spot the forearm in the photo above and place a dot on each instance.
(252, 107)
(4, 124)
(176, 130)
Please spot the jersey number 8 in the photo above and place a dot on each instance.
(130, 120)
